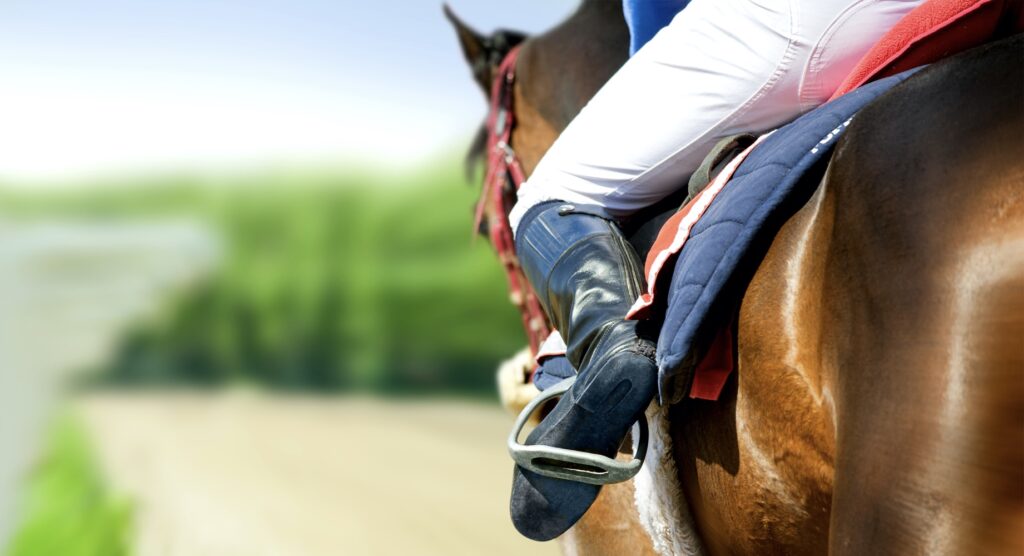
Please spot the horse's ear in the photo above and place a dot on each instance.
(474, 48)
(483, 53)
(473, 43)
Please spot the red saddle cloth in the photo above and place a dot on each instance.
(935, 30)
(931, 32)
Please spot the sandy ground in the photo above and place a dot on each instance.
(252, 475)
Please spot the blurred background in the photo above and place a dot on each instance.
(240, 308)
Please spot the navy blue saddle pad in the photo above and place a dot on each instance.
(773, 182)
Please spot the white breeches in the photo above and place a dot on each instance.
(720, 67)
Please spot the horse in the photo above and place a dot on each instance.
(878, 402)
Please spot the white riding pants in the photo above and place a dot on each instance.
(720, 67)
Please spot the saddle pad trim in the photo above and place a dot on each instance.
(676, 231)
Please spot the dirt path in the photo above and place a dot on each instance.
(252, 475)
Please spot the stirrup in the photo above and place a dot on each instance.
(572, 465)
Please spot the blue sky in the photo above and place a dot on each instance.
(108, 86)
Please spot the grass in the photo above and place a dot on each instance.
(68, 510)
(330, 282)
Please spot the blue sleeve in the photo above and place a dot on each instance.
(646, 17)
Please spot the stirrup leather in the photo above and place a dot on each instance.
(572, 465)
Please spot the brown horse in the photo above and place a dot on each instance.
(879, 401)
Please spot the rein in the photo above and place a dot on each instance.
(502, 179)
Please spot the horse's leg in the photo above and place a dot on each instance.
(610, 527)
(925, 314)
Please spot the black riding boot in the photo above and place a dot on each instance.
(587, 276)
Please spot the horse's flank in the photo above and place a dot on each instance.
(926, 290)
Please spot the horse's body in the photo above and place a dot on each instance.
(879, 401)
(881, 342)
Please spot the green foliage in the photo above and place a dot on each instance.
(329, 282)
(68, 510)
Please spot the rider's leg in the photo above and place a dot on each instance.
(586, 275)
(720, 67)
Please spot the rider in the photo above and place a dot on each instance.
(718, 68)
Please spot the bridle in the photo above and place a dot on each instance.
(502, 179)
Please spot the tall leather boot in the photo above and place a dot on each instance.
(587, 276)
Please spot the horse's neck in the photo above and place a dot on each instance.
(560, 70)
(568, 64)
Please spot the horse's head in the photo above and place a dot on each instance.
(483, 53)
(533, 97)
(556, 74)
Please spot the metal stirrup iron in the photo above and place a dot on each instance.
(572, 465)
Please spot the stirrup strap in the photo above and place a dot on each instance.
(725, 150)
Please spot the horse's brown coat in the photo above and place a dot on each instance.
(879, 402)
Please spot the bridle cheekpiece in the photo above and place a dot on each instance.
(503, 176)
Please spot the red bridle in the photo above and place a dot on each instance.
(502, 179)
